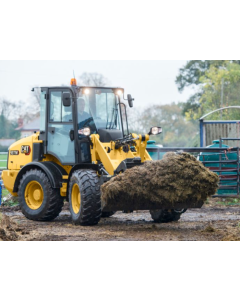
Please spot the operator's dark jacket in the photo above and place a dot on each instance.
(82, 119)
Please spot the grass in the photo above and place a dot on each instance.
(5, 192)
(3, 164)
(231, 201)
(234, 201)
(11, 202)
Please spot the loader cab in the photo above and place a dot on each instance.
(69, 115)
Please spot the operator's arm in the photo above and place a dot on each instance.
(82, 119)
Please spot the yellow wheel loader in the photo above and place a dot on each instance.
(83, 142)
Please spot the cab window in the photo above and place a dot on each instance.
(58, 112)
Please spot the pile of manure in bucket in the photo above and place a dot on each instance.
(177, 178)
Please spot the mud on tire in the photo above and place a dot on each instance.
(89, 212)
(166, 216)
(52, 201)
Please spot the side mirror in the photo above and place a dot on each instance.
(130, 100)
(66, 99)
(155, 130)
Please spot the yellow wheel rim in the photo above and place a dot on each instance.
(76, 198)
(34, 195)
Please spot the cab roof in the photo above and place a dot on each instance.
(80, 87)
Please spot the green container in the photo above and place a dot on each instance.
(215, 166)
(154, 155)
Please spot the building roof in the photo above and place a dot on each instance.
(34, 125)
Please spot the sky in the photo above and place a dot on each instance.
(149, 82)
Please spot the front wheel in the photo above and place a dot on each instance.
(85, 197)
(166, 216)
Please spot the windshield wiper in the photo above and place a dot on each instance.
(113, 119)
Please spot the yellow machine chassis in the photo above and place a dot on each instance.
(99, 152)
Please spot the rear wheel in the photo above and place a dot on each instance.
(37, 199)
(85, 197)
(166, 216)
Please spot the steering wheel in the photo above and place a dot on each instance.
(87, 121)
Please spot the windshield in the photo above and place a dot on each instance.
(98, 109)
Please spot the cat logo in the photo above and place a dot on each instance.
(26, 150)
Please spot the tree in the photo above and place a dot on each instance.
(7, 129)
(192, 105)
(219, 85)
(176, 130)
(93, 79)
(8, 109)
(199, 74)
(36, 94)
(134, 118)
(191, 73)
(7, 125)
(33, 109)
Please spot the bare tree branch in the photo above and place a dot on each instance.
(93, 79)
(8, 109)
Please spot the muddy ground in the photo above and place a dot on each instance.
(213, 222)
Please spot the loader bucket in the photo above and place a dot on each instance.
(177, 181)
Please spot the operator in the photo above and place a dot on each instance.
(82, 115)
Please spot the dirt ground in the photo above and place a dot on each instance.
(213, 222)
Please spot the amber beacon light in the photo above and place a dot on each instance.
(73, 81)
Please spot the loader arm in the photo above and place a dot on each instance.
(111, 157)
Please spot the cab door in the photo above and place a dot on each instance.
(60, 123)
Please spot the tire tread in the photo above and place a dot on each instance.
(55, 201)
(90, 197)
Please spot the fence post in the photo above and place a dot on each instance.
(0, 193)
(238, 171)
(202, 142)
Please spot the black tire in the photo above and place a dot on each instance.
(107, 214)
(166, 216)
(89, 210)
(52, 201)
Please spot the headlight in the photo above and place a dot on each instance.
(155, 130)
(85, 131)
(119, 92)
(86, 91)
